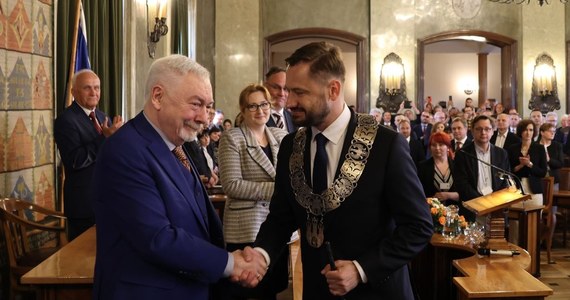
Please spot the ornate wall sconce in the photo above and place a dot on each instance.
(468, 86)
(544, 95)
(392, 84)
(160, 28)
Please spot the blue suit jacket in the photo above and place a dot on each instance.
(78, 143)
(158, 236)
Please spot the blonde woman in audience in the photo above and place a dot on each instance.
(247, 160)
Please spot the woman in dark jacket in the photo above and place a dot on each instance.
(528, 160)
(436, 173)
(554, 155)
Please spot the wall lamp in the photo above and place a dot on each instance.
(544, 93)
(160, 28)
(392, 84)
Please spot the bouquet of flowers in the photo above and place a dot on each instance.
(439, 215)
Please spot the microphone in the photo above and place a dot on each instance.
(501, 172)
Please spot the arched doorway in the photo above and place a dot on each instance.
(508, 60)
(349, 42)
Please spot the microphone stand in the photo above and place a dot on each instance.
(502, 172)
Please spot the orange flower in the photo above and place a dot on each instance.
(429, 201)
(442, 220)
(434, 211)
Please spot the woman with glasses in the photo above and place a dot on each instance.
(528, 160)
(247, 157)
(553, 150)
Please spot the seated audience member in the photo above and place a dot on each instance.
(438, 127)
(472, 177)
(502, 137)
(554, 155)
(514, 122)
(227, 124)
(561, 135)
(377, 114)
(248, 156)
(387, 120)
(552, 118)
(214, 134)
(423, 130)
(498, 109)
(196, 153)
(528, 160)
(416, 148)
(414, 119)
(436, 173)
(459, 132)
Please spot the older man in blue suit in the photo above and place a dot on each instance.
(158, 235)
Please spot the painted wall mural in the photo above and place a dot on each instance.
(26, 101)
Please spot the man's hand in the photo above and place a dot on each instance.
(109, 130)
(249, 267)
(342, 280)
(212, 181)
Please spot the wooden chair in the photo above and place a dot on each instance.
(24, 224)
(564, 185)
(548, 219)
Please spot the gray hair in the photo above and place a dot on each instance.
(168, 68)
(376, 110)
(551, 113)
(82, 71)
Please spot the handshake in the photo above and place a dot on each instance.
(249, 267)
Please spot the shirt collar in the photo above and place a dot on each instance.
(86, 110)
(336, 129)
(481, 150)
(168, 143)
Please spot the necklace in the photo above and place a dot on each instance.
(317, 205)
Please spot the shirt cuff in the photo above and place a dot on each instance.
(229, 266)
(264, 253)
(360, 271)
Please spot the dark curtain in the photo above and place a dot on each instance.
(179, 27)
(104, 22)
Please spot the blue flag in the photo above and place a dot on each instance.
(81, 53)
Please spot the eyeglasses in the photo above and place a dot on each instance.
(255, 107)
(486, 129)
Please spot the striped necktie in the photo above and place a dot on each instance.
(95, 122)
(181, 156)
(278, 120)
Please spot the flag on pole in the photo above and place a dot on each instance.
(82, 52)
(79, 51)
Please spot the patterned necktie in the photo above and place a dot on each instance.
(95, 123)
(181, 156)
(320, 165)
(457, 146)
(278, 120)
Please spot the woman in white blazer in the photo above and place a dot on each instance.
(247, 157)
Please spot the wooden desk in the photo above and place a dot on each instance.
(529, 230)
(435, 273)
(67, 274)
(498, 277)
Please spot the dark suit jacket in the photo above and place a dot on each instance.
(287, 119)
(417, 151)
(158, 236)
(556, 160)
(468, 141)
(466, 174)
(426, 173)
(198, 158)
(538, 170)
(78, 143)
(510, 140)
(383, 224)
(559, 135)
(424, 137)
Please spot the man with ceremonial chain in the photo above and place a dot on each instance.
(346, 182)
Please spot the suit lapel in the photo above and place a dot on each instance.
(257, 154)
(171, 167)
(86, 122)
